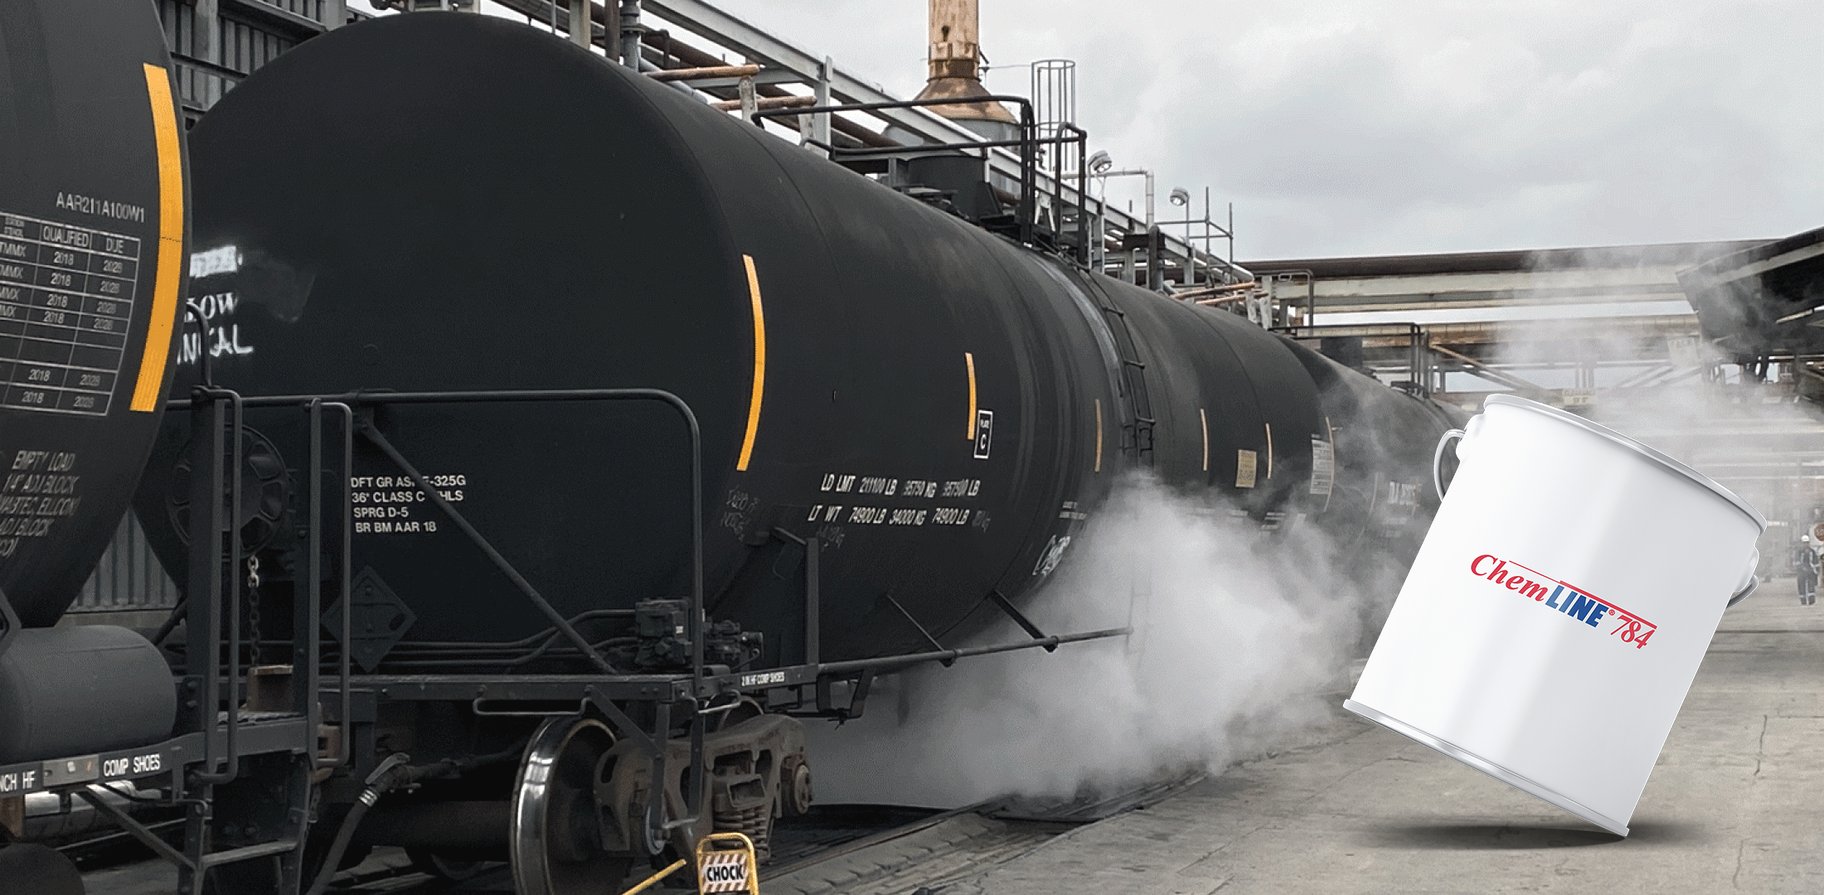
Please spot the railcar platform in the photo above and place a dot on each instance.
(1734, 804)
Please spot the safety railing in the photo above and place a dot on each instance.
(1027, 143)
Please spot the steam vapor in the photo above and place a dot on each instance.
(1237, 636)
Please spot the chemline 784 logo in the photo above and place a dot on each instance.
(1573, 602)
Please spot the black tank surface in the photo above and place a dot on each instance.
(1383, 498)
(935, 404)
(92, 229)
(1234, 411)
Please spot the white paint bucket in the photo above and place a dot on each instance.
(1559, 608)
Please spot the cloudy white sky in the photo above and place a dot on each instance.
(1391, 126)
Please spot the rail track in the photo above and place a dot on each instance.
(834, 850)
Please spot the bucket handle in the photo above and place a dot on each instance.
(1437, 461)
(1749, 583)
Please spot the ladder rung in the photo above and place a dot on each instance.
(248, 853)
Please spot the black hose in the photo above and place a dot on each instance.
(344, 835)
(391, 773)
(171, 621)
(394, 772)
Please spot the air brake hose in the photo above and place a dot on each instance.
(391, 774)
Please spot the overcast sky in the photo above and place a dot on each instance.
(1343, 127)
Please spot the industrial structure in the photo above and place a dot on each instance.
(444, 642)
(1710, 349)
(1560, 325)
(535, 530)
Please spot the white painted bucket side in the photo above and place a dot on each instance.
(1493, 675)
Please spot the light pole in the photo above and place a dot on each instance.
(1101, 166)
(1181, 198)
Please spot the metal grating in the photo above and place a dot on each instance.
(214, 47)
(129, 577)
(310, 9)
(246, 46)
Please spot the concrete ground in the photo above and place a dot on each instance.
(1736, 803)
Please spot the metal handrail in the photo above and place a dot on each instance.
(230, 465)
(1078, 137)
(1028, 142)
(696, 796)
(367, 399)
(683, 409)
(314, 616)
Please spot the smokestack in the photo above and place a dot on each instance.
(955, 72)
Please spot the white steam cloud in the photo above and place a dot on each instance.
(1653, 379)
(1237, 639)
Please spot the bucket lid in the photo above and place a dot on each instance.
(1629, 443)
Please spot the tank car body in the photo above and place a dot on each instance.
(92, 251)
(939, 406)
(1384, 494)
(92, 231)
(898, 424)
(904, 422)
(1383, 499)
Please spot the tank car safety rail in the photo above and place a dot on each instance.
(601, 691)
(1028, 143)
(1420, 367)
(220, 743)
(213, 736)
(499, 694)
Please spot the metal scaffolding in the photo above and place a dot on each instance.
(679, 33)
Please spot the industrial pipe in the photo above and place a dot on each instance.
(705, 72)
(689, 55)
(771, 102)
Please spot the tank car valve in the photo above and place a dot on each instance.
(662, 627)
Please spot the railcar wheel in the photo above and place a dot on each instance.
(556, 846)
(45, 870)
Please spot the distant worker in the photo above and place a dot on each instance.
(1805, 560)
(1817, 561)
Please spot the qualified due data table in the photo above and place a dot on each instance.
(66, 302)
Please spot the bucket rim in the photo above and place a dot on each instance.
(1516, 780)
(1648, 451)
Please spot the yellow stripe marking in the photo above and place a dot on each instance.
(169, 271)
(753, 403)
(969, 361)
(1098, 434)
(1204, 421)
(1269, 450)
